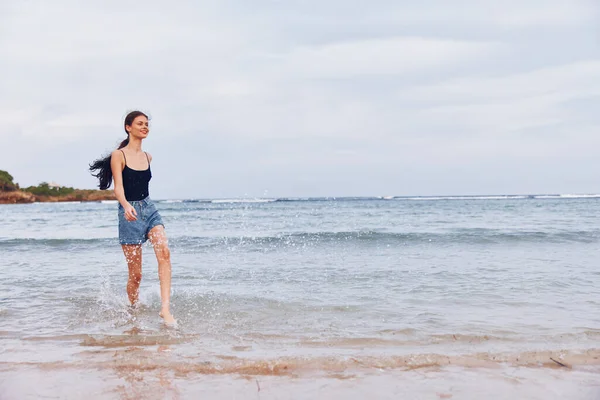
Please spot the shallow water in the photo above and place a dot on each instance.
(314, 296)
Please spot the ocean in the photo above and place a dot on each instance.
(462, 297)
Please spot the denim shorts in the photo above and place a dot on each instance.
(136, 232)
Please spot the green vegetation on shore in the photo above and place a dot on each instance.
(43, 189)
(6, 182)
(10, 192)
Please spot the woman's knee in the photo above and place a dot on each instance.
(135, 276)
(133, 254)
(162, 252)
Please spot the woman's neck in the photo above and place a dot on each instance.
(135, 145)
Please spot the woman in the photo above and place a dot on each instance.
(139, 220)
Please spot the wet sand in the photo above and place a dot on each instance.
(132, 382)
(159, 371)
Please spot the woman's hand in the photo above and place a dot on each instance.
(130, 213)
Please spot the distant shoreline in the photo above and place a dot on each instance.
(22, 197)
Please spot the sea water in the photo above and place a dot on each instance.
(398, 297)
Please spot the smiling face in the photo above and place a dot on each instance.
(139, 127)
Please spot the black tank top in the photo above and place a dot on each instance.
(135, 183)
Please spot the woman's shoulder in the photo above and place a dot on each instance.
(149, 156)
(118, 154)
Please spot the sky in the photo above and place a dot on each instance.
(307, 98)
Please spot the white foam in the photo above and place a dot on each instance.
(243, 201)
(567, 196)
(579, 196)
(507, 197)
(109, 201)
(60, 202)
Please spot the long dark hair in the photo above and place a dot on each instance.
(100, 168)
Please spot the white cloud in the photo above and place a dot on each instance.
(389, 56)
(10, 116)
(240, 85)
(296, 93)
(572, 80)
(505, 14)
(541, 12)
(503, 104)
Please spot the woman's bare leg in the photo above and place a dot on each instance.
(158, 238)
(133, 255)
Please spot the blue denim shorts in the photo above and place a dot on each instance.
(136, 232)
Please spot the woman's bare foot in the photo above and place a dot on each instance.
(168, 318)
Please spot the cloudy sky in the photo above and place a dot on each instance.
(307, 98)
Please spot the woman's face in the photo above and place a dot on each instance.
(139, 127)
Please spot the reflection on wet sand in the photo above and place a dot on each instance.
(144, 383)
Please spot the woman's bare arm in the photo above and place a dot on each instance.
(117, 163)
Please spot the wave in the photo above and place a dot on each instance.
(569, 196)
(502, 197)
(55, 243)
(383, 198)
(109, 341)
(465, 236)
(406, 338)
(124, 360)
(218, 201)
(431, 198)
(472, 236)
(566, 196)
(62, 203)
(182, 201)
